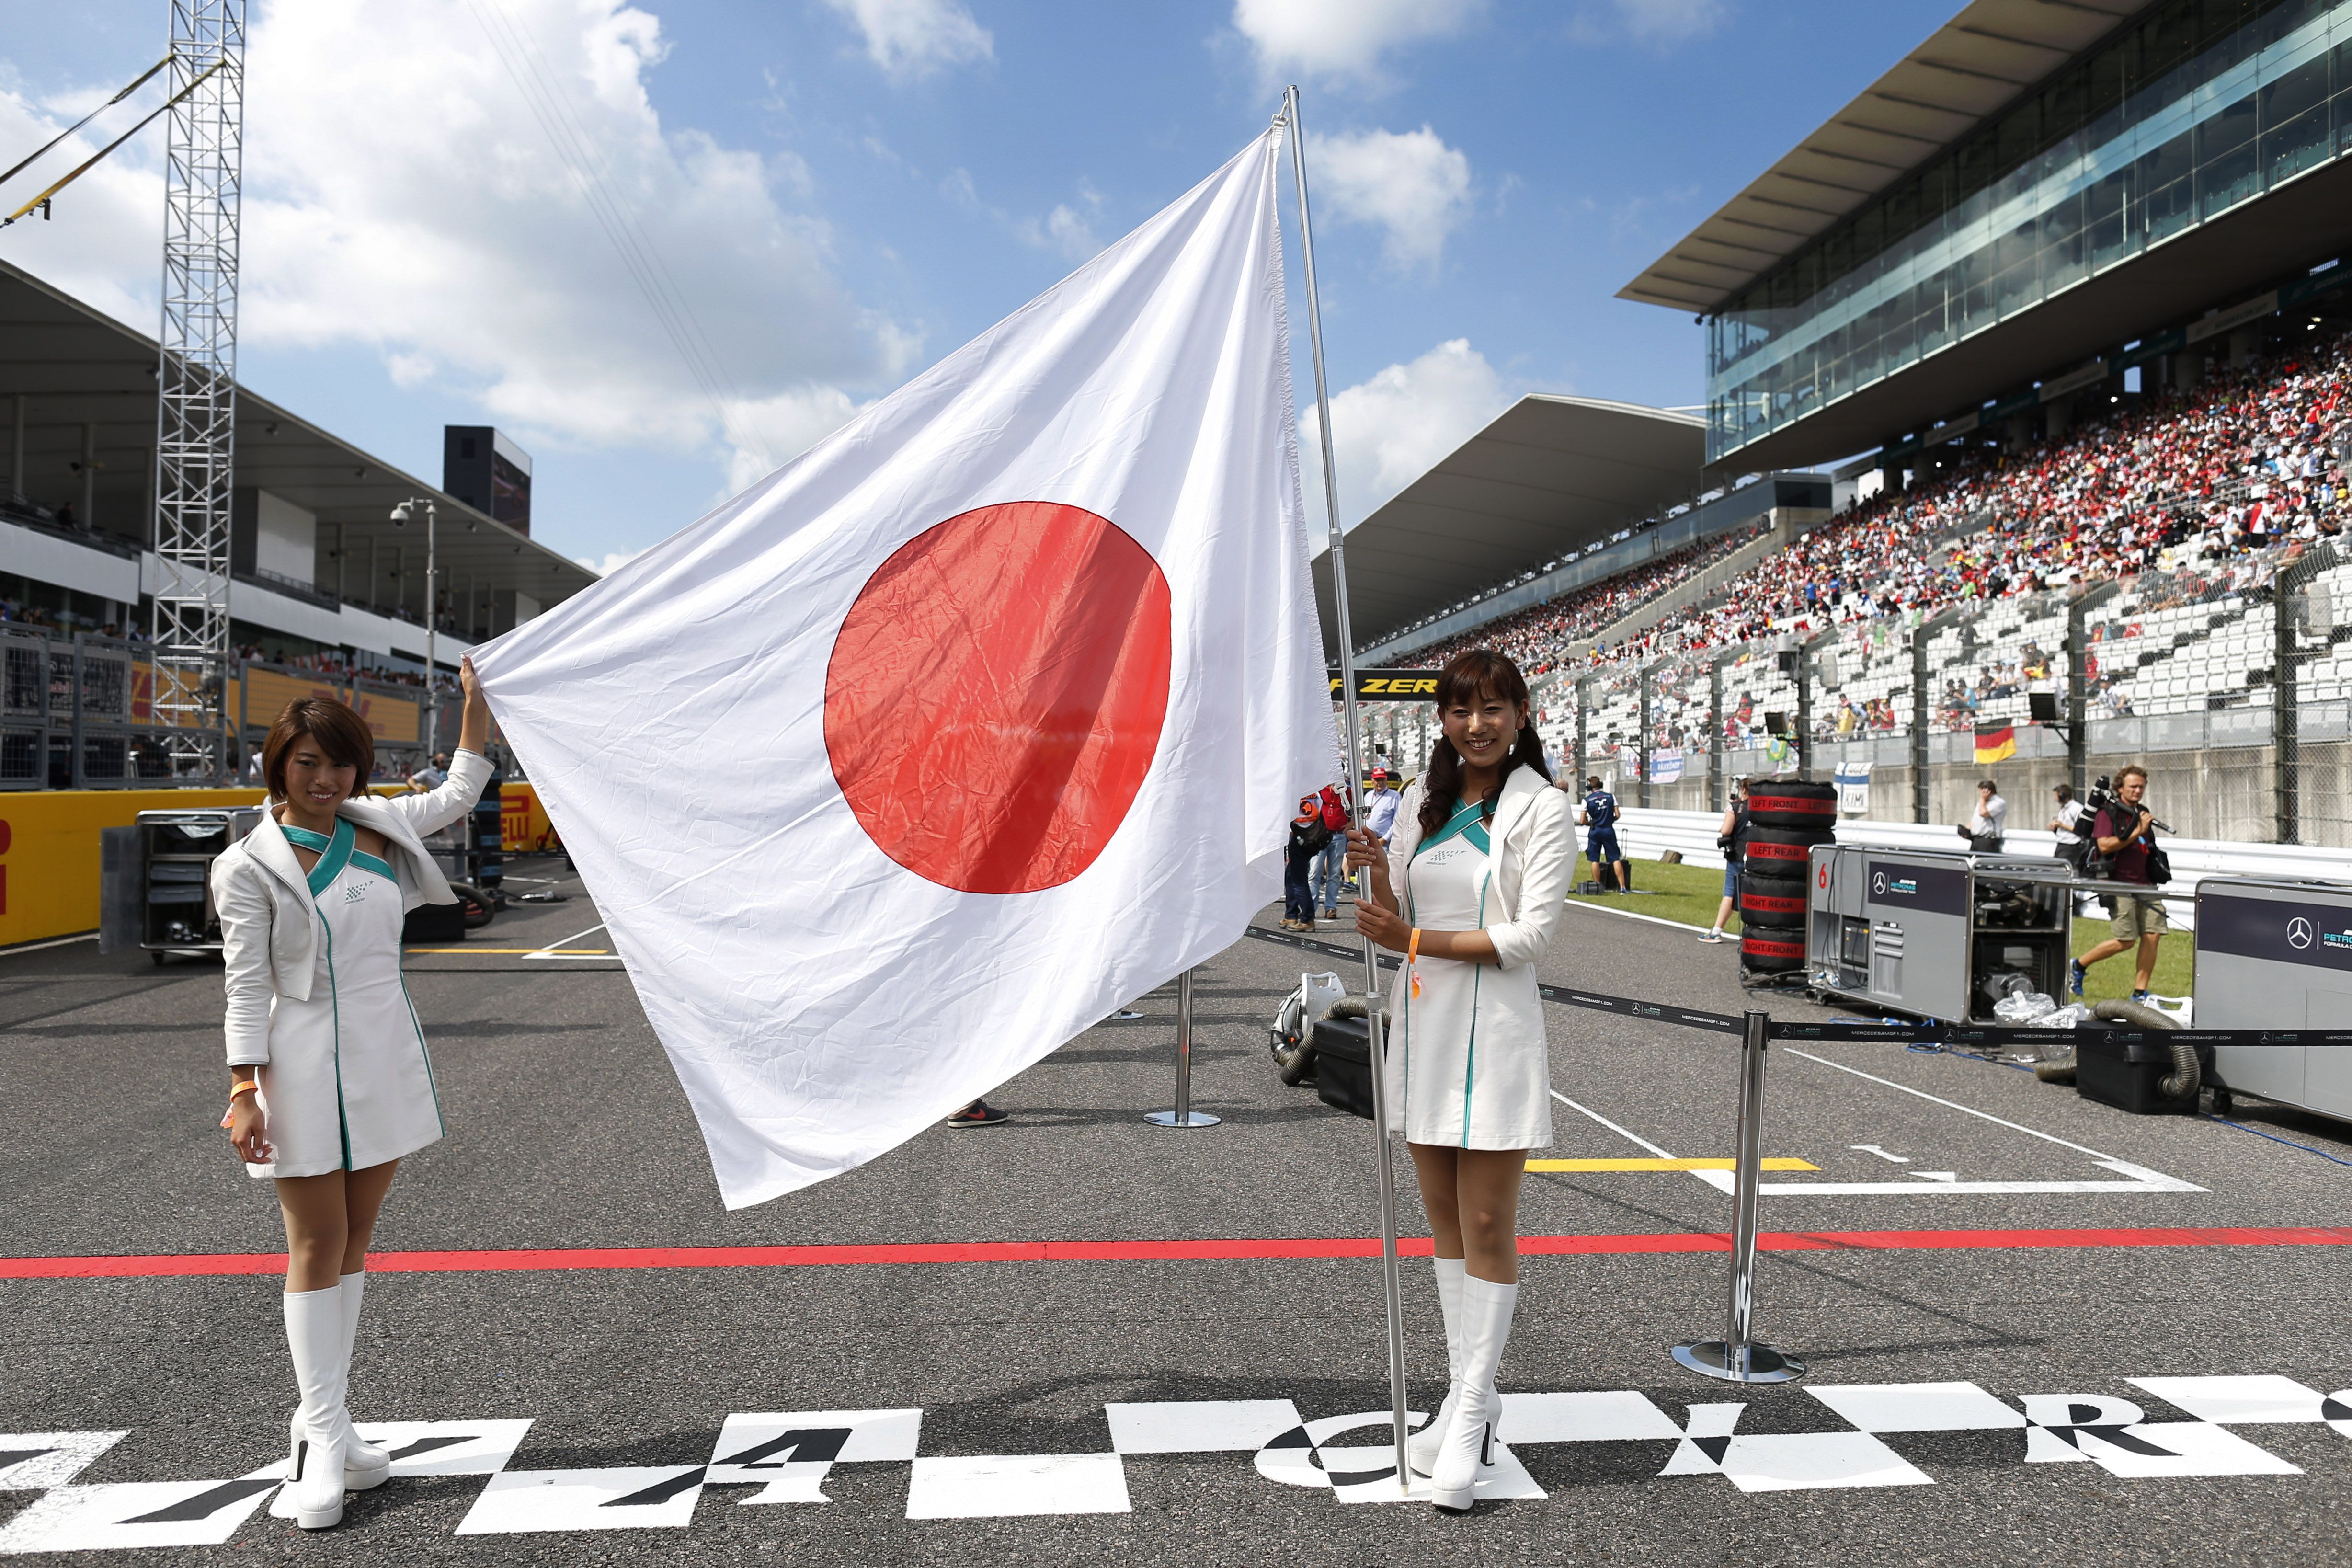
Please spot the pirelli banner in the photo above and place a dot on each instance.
(1390, 685)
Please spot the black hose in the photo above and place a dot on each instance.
(2188, 1074)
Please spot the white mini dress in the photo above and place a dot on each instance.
(349, 1083)
(1469, 1065)
(317, 1007)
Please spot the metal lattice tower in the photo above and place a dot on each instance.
(197, 384)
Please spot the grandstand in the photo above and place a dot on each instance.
(2112, 431)
(322, 583)
(319, 574)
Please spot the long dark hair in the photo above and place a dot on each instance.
(1471, 677)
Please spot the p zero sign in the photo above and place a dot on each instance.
(1390, 685)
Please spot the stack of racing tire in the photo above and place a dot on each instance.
(1786, 818)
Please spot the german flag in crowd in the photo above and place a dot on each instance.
(1995, 742)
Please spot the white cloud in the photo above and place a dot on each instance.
(400, 195)
(782, 426)
(1343, 40)
(613, 562)
(1071, 235)
(1411, 184)
(1391, 429)
(910, 39)
(1658, 23)
(1066, 229)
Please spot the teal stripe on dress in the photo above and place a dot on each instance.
(363, 861)
(1470, 1064)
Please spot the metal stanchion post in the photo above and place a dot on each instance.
(1737, 1358)
(1183, 1115)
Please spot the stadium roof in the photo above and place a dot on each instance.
(1550, 476)
(1973, 67)
(76, 367)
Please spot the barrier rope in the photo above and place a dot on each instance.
(1970, 1038)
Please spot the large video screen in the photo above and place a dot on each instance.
(509, 494)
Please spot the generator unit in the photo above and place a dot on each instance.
(2277, 954)
(1935, 933)
(155, 878)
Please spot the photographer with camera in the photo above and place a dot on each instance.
(2123, 849)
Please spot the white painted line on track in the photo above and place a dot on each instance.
(1630, 915)
(59, 942)
(549, 950)
(2140, 1179)
(1629, 1137)
(1954, 1104)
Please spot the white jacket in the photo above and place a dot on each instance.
(1534, 864)
(1469, 1065)
(269, 926)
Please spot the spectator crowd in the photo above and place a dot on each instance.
(2215, 484)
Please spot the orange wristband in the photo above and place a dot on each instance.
(1411, 957)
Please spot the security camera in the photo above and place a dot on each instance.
(400, 515)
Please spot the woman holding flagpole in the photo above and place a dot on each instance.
(1470, 888)
(330, 1082)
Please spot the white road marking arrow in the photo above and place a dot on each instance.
(1875, 1149)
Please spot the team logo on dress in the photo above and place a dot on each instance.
(354, 891)
(2298, 934)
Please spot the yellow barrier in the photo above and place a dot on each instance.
(49, 846)
(522, 821)
(49, 851)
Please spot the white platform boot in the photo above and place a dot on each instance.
(1421, 1448)
(365, 1465)
(313, 1495)
(1468, 1448)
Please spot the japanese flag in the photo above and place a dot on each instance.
(981, 717)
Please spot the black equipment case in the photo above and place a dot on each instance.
(1343, 1065)
(2122, 1067)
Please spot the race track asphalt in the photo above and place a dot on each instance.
(569, 1132)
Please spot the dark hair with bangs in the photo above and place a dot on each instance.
(1481, 672)
(339, 732)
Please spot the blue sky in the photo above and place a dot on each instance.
(842, 191)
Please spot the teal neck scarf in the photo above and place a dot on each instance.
(1467, 822)
(333, 853)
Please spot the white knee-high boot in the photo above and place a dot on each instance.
(1468, 1447)
(1421, 1448)
(365, 1465)
(313, 1495)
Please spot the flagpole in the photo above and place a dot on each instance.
(1374, 1024)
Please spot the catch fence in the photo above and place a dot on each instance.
(2230, 680)
(78, 712)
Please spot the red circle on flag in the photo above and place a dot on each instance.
(996, 693)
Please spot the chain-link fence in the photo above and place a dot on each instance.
(76, 712)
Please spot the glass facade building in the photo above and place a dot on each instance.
(2198, 106)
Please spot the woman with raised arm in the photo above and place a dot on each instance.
(1469, 888)
(331, 1083)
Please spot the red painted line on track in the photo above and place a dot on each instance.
(534, 1260)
